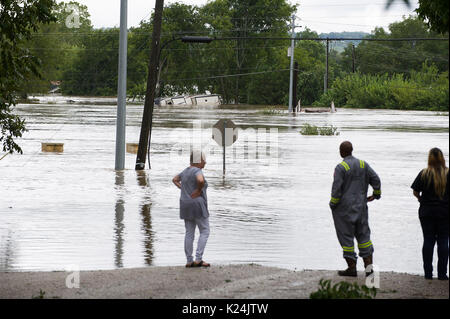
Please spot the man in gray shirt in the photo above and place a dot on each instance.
(194, 207)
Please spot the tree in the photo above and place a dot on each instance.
(310, 56)
(196, 68)
(18, 20)
(178, 61)
(56, 44)
(249, 18)
(375, 57)
(434, 12)
(94, 71)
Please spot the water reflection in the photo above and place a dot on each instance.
(276, 203)
(146, 226)
(118, 219)
(6, 251)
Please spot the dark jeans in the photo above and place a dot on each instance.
(435, 229)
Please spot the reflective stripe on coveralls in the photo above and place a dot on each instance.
(335, 200)
(349, 205)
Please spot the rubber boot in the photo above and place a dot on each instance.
(367, 262)
(351, 270)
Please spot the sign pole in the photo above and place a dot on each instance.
(223, 142)
(219, 131)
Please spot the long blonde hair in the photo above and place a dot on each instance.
(436, 171)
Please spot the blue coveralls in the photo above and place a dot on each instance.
(349, 205)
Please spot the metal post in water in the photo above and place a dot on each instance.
(223, 142)
(122, 88)
(294, 95)
(325, 85)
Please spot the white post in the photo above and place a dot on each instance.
(291, 79)
(122, 88)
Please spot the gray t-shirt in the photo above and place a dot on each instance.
(192, 208)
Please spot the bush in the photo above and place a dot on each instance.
(308, 129)
(423, 90)
(343, 290)
(271, 111)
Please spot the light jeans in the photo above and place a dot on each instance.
(203, 226)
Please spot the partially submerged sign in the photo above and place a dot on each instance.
(225, 132)
(52, 147)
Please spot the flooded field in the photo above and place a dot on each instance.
(72, 209)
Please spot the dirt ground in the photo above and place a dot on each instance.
(249, 281)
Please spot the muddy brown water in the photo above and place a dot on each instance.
(73, 210)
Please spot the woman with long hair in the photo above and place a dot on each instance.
(431, 189)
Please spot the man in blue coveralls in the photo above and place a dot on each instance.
(348, 203)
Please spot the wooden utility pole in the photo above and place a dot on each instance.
(147, 117)
(291, 67)
(294, 93)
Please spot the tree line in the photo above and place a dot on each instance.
(254, 71)
(40, 44)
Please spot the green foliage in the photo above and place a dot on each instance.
(56, 44)
(426, 89)
(40, 296)
(343, 290)
(436, 13)
(18, 20)
(325, 130)
(93, 73)
(246, 71)
(271, 111)
(308, 129)
(196, 68)
(374, 57)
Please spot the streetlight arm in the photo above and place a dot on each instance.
(196, 39)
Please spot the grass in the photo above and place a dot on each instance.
(271, 110)
(41, 295)
(343, 290)
(308, 129)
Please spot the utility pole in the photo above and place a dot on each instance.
(325, 84)
(294, 95)
(122, 89)
(147, 117)
(291, 84)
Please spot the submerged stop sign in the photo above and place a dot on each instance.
(224, 132)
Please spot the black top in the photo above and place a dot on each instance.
(430, 203)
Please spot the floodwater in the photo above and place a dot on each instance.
(73, 210)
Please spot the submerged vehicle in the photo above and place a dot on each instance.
(205, 99)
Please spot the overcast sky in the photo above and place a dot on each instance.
(317, 15)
